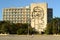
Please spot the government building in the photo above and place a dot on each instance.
(37, 14)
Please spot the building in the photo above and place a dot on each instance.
(37, 14)
(49, 14)
(16, 15)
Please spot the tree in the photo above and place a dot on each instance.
(3, 27)
(54, 26)
(19, 28)
(22, 28)
(49, 28)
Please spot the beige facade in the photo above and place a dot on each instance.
(16, 15)
(37, 14)
(39, 19)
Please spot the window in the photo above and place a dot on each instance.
(6, 9)
(9, 9)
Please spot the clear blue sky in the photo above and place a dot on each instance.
(55, 4)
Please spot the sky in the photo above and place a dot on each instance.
(55, 4)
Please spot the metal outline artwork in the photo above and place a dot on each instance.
(38, 10)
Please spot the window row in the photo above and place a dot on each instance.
(16, 9)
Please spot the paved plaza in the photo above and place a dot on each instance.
(29, 37)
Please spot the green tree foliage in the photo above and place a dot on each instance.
(54, 26)
(32, 31)
(22, 28)
(18, 28)
(3, 27)
(49, 28)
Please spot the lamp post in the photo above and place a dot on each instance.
(28, 26)
(58, 25)
(28, 31)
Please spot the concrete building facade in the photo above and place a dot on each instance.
(16, 15)
(37, 14)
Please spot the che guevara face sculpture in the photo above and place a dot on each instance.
(38, 12)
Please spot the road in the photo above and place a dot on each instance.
(29, 37)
